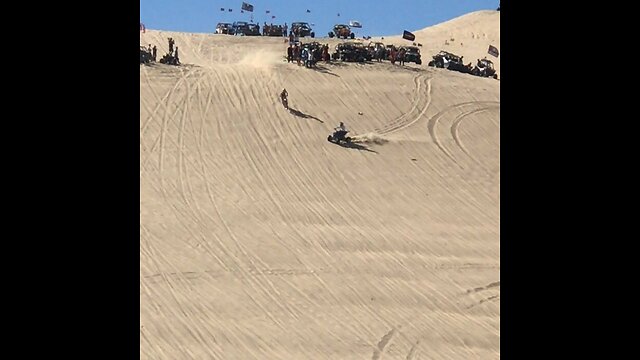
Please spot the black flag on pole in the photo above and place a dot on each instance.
(493, 51)
(409, 36)
(247, 7)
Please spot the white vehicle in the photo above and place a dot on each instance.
(223, 28)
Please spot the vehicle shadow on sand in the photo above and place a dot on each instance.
(299, 113)
(401, 68)
(324, 70)
(352, 145)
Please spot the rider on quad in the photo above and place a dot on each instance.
(339, 134)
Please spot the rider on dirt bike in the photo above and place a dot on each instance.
(284, 97)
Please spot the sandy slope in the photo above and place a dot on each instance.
(261, 240)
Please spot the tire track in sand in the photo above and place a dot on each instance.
(422, 93)
(253, 283)
(242, 144)
(161, 101)
(433, 122)
(223, 248)
(414, 351)
(456, 125)
(382, 345)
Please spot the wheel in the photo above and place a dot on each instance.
(331, 35)
(347, 140)
(313, 34)
(353, 36)
(329, 138)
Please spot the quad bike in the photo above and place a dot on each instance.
(339, 135)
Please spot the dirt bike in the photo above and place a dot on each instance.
(285, 101)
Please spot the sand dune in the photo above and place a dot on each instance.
(471, 33)
(261, 240)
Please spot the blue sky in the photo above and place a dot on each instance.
(378, 17)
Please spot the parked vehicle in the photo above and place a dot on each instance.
(223, 28)
(272, 30)
(377, 50)
(351, 51)
(445, 59)
(252, 30)
(145, 55)
(302, 29)
(239, 27)
(484, 68)
(412, 54)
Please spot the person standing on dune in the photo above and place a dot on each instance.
(310, 60)
(401, 56)
(289, 54)
(177, 59)
(296, 54)
(304, 57)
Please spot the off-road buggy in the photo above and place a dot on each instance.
(342, 31)
(484, 68)
(302, 29)
(412, 54)
(351, 51)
